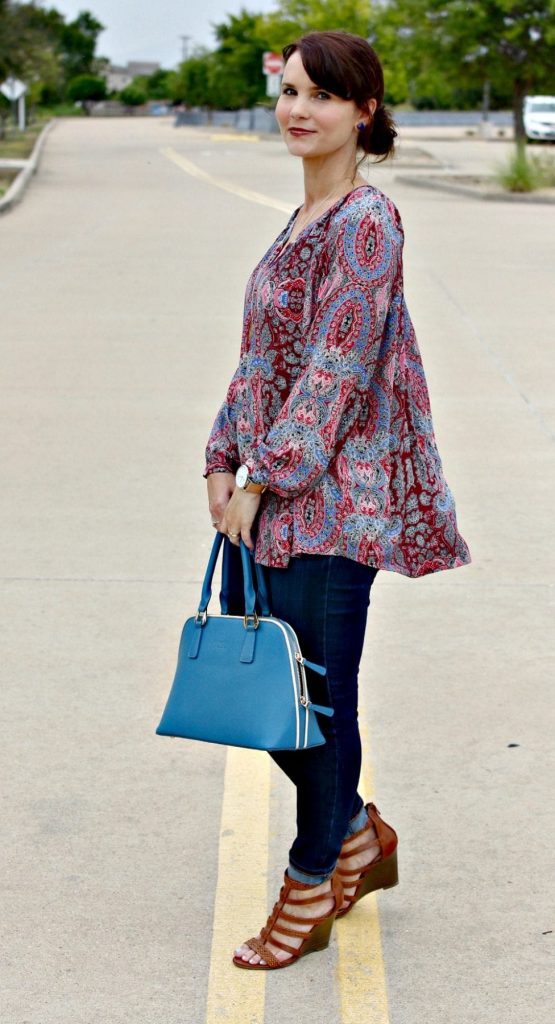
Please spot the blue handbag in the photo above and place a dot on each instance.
(241, 679)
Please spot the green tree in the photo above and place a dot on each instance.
(231, 76)
(77, 44)
(159, 84)
(299, 16)
(235, 75)
(87, 89)
(465, 43)
(134, 94)
(28, 37)
(191, 84)
(39, 47)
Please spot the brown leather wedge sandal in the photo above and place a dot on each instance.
(279, 921)
(381, 873)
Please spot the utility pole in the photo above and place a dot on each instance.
(185, 40)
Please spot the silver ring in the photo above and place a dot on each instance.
(217, 523)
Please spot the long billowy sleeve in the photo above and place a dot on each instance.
(222, 453)
(342, 349)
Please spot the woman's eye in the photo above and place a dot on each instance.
(287, 91)
(323, 95)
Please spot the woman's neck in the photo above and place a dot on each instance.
(325, 177)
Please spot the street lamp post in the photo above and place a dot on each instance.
(185, 40)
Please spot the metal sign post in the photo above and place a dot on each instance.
(272, 67)
(273, 85)
(14, 90)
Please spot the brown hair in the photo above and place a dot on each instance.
(347, 66)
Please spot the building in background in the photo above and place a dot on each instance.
(118, 77)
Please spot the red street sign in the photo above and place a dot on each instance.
(272, 63)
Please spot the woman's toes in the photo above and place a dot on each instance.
(248, 956)
(244, 952)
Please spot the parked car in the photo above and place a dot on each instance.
(539, 117)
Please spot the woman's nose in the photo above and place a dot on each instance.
(299, 107)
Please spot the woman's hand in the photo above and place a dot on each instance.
(239, 516)
(220, 488)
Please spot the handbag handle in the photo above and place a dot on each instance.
(248, 586)
(261, 589)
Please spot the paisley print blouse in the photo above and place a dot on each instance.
(329, 404)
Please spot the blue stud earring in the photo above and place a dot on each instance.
(361, 126)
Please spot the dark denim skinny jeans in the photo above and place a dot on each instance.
(325, 599)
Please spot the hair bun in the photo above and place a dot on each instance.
(378, 139)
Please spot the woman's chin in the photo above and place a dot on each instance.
(299, 146)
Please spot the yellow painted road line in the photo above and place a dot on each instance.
(236, 996)
(227, 186)
(361, 971)
(234, 138)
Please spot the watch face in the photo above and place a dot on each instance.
(242, 476)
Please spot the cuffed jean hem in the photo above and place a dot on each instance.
(355, 825)
(358, 822)
(303, 876)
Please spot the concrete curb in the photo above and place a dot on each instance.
(18, 186)
(474, 193)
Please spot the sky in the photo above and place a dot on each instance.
(152, 30)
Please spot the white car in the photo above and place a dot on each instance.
(539, 117)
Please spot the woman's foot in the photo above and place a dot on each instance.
(298, 903)
(368, 860)
(356, 862)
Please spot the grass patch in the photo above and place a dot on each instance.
(18, 145)
(545, 165)
(5, 181)
(62, 110)
(523, 173)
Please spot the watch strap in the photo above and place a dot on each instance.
(255, 488)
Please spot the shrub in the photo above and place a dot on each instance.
(133, 96)
(521, 173)
(86, 88)
(545, 165)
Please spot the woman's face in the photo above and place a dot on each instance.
(313, 121)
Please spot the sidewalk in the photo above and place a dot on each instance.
(27, 168)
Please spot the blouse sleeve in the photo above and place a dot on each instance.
(222, 453)
(342, 348)
(222, 448)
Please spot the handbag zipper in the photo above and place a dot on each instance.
(303, 695)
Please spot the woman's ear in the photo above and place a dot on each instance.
(368, 110)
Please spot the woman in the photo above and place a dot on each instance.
(326, 439)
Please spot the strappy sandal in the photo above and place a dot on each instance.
(381, 873)
(316, 939)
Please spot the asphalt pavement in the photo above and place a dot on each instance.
(132, 865)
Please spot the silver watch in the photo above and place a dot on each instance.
(243, 480)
